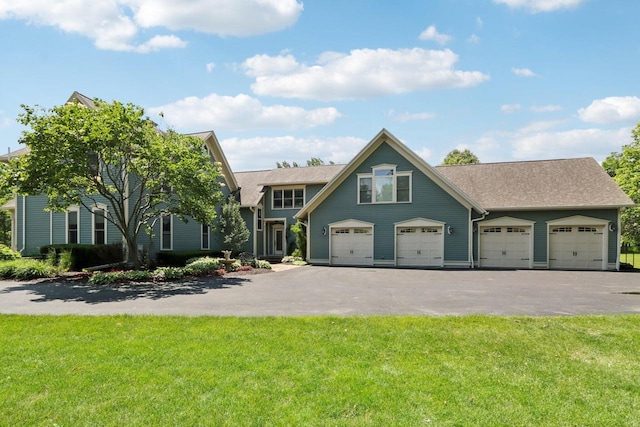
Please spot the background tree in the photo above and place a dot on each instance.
(232, 229)
(314, 161)
(624, 167)
(114, 155)
(457, 157)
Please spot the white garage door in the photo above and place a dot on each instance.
(352, 246)
(576, 247)
(505, 247)
(419, 246)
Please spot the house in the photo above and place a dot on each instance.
(388, 207)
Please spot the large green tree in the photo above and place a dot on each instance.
(113, 154)
(624, 167)
(457, 157)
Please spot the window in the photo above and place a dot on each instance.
(587, 230)
(99, 226)
(384, 185)
(561, 230)
(73, 226)
(493, 230)
(166, 236)
(515, 230)
(204, 240)
(259, 219)
(288, 198)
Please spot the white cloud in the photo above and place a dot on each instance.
(432, 33)
(510, 108)
(545, 108)
(479, 22)
(221, 17)
(425, 153)
(536, 6)
(115, 25)
(360, 74)
(540, 126)
(265, 152)
(210, 67)
(240, 112)
(615, 109)
(406, 116)
(473, 38)
(596, 143)
(523, 72)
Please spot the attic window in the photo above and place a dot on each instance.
(384, 185)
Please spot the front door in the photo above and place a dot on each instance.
(278, 239)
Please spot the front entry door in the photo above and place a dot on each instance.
(278, 239)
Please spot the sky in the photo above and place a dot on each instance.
(289, 80)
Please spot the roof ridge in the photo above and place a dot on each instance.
(519, 161)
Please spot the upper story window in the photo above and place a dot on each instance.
(384, 185)
(288, 198)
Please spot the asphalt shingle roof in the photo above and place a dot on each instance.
(542, 184)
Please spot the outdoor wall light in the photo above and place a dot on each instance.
(324, 231)
(612, 227)
(449, 229)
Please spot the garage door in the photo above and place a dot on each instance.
(419, 246)
(576, 247)
(352, 246)
(505, 247)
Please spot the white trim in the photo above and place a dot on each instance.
(170, 248)
(76, 209)
(507, 221)
(394, 177)
(267, 230)
(618, 240)
(94, 208)
(293, 196)
(259, 218)
(283, 240)
(419, 223)
(581, 220)
(51, 227)
(352, 223)
(202, 248)
(308, 232)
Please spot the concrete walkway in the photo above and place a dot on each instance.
(313, 290)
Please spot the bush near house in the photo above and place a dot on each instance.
(181, 258)
(83, 256)
(7, 254)
(26, 269)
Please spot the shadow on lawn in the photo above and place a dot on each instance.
(81, 291)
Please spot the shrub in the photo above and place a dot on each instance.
(7, 254)
(246, 258)
(26, 269)
(168, 273)
(299, 231)
(113, 277)
(202, 266)
(259, 263)
(234, 266)
(181, 258)
(83, 256)
(66, 260)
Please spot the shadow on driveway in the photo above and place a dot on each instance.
(81, 291)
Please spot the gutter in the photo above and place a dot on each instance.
(484, 215)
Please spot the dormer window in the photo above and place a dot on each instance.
(384, 185)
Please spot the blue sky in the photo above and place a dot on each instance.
(286, 80)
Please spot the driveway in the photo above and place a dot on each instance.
(314, 290)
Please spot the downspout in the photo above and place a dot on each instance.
(484, 215)
(24, 225)
(618, 240)
(255, 229)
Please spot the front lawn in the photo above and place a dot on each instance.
(378, 371)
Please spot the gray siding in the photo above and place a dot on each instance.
(428, 201)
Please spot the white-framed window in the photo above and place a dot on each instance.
(166, 233)
(99, 225)
(288, 198)
(204, 237)
(259, 219)
(384, 185)
(73, 225)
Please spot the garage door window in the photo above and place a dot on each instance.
(515, 230)
(561, 230)
(587, 230)
(493, 230)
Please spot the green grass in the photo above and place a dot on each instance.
(325, 371)
(633, 259)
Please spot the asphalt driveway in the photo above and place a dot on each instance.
(313, 290)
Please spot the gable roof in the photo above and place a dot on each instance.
(382, 137)
(210, 139)
(82, 99)
(541, 184)
(252, 183)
